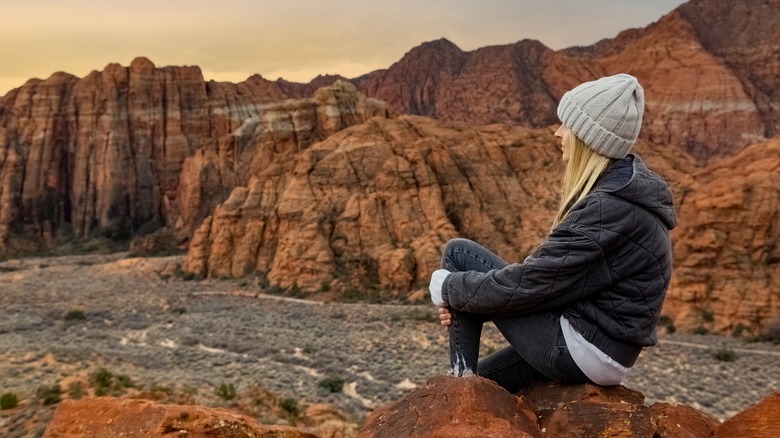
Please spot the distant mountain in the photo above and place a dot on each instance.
(710, 70)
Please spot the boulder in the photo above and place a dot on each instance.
(473, 406)
(112, 417)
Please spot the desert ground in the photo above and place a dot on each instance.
(66, 317)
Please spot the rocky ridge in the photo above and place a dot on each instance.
(709, 69)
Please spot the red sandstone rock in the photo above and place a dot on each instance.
(460, 407)
(727, 260)
(448, 407)
(372, 206)
(759, 421)
(110, 417)
(129, 145)
(682, 421)
(589, 410)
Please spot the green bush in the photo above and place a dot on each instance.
(226, 391)
(332, 384)
(700, 331)
(8, 401)
(107, 383)
(76, 390)
(49, 395)
(291, 406)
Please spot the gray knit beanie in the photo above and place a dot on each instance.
(606, 113)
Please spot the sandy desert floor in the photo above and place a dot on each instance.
(68, 316)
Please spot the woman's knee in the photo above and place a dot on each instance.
(457, 243)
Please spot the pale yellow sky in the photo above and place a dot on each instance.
(294, 39)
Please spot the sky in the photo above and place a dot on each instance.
(231, 40)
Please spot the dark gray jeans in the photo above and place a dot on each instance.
(537, 350)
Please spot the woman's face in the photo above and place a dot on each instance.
(563, 133)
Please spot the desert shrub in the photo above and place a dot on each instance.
(226, 391)
(76, 390)
(49, 395)
(707, 316)
(75, 315)
(106, 383)
(700, 331)
(290, 406)
(178, 310)
(293, 410)
(725, 355)
(739, 330)
(666, 321)
(8, 401)
(262, 279)
(771, 331)
(184, 275)
(332, 384)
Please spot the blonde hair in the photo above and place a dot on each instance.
(583, 169)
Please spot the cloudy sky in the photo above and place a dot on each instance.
(294, 39)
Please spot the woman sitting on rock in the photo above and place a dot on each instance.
(582, 306)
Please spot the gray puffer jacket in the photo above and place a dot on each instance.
(606, 267)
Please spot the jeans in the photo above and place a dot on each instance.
(537, 350)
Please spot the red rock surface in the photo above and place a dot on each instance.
(110, 417)
(369, 209)
(682, 421)
(450, 407)
(453, 407)
(727, 257)
(759, 421)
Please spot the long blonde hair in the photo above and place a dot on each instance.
(583, 169)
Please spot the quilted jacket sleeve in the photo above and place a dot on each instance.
(569, 265)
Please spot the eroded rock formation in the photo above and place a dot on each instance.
(727, 256)
(372, 205)
(131, 145)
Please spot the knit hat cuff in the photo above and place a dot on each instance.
(591, 132)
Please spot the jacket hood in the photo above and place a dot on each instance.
(630, 179)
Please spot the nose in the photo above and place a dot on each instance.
(560, 131)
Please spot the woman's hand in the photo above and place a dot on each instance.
(445, 317)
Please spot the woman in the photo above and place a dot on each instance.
(582, 306)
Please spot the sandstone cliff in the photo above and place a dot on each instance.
(371, 206)
(133, 145)
(727, 256)
(709, 69)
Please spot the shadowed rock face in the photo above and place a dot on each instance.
(709, 68)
